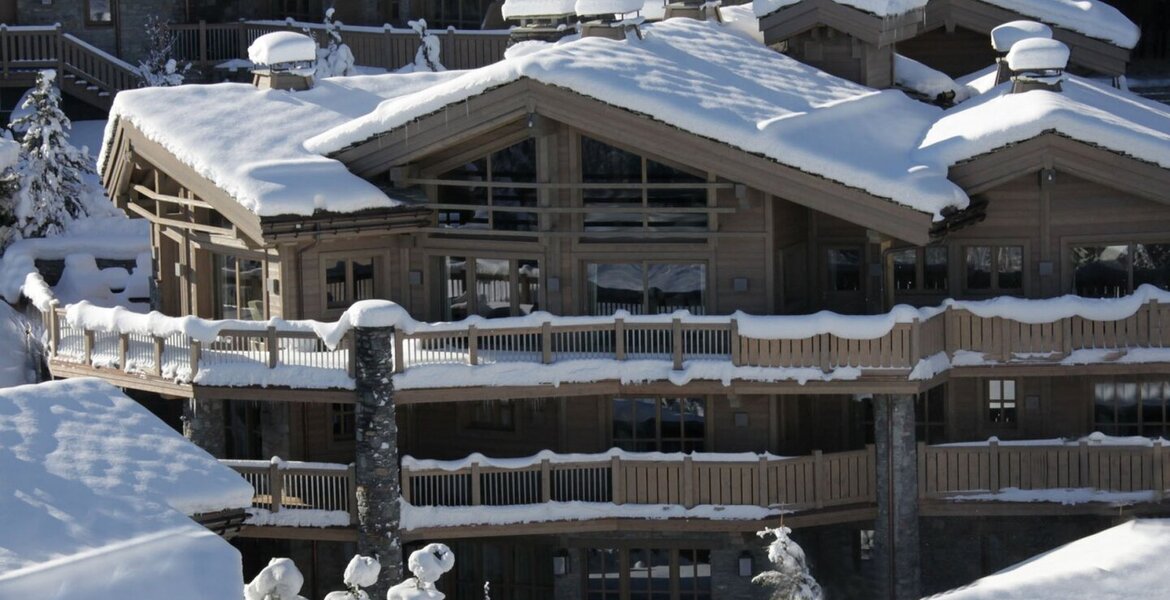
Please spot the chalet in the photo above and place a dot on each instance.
(599, 311)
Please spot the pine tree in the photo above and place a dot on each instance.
(52, 192)
(160, 69)
(335, 59)
(791, 579)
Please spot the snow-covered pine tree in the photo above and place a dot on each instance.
(160, 69)
(335, 59)
(790, 579)
(427, 57)
(53, 191)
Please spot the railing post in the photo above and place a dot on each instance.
(476, 491)
(824, 349)
(4, 49)
(275, 485)
(546, 342)
(196, 353)
(273, 347)
(399, 352)
(762, 483)
(819, 478)
(405, 479)
(123, 349)
(242, 38)
(733, 340)
(87, 346)
(1158, 480)
(58, 41)
(950, 333)
(545, 481)
(351, 489)
(1154, 324)
(54, 329)
(922, 483)
(993, 465)
(676, 337)
(619, 338)
(688, 479)
(871, 472)
(1066, 335)
(387, 48)
(915, 343)
(159, 345)
(472, 345)
(1005, 339)
(201, 37)
(617, 481)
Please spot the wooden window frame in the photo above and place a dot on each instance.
(658, 440)
(470, 275)
(990, 404)
(624, 566)
(484, 153)
(919, 271)
(348, 415)
(993, 288)
(216, 287)
(1140, 424)
(703, 262)
(327, 259)
(92, 24)
(1130, 241)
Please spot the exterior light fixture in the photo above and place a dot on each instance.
(561, 563)
(745, 564)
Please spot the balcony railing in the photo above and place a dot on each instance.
(299, 487)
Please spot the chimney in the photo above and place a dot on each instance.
(1007, 35)
(1037, 64)
(283, 60)
(540, 20)
(613, 19)
(702, 10)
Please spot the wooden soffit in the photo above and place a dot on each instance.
(462, 122)
(793, 20)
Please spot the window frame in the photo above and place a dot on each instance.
(1001, 404)
(1139, 426)
(327, 259)
(1130, 241)
(90, 23)
(470, 276)
(993, 289)
(218, 279)
(919, 271)
(435, 180)
(626, 550)
(704, 308)
(682, 440)
(347, 414)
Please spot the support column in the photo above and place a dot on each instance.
(376, 463)
(203, 424)
(897, 550)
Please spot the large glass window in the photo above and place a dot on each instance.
(1131, 407)
(660, 424)
(239, 288)
(919, 269)
(348, 280)
(1112, 270)
(694, 574)
(492, 287)
(994, 268)
(844, 265)
(648, 574)
(603, 574)
(645, 288)
(627, 191)
(482, 185)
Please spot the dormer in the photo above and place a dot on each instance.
(283, 60)
(540, 20)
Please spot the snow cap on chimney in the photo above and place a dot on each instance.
(283, 60)
(1037, 64)
(1005, 36)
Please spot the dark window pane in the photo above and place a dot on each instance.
(905, 265)
(978, 267)
(528, 286)
(493, 287)
(1010, 264)
(1104, 405)
(1101, 271)
(844, 269)
(363, 279)
(1151, 264)
(335, 293)
(935, 274)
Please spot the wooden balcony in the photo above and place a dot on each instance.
(552, 493)
(85, 71)
(760, 354)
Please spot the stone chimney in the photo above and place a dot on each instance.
(703, 10)
(540, 20)
(1007, 35)
(1037, 64)
(614, 19)
(283, 60)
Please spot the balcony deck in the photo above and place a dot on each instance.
(901, 352)
(551, 493)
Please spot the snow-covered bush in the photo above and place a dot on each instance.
(335, 59)
(361, 572)
(427, 565)
(427, 57)
(53, 188)
(160, 69)
(280, 580)
(790, 579)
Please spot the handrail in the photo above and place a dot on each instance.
(99, 75)
(298, 486)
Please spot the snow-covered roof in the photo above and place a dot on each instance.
(1092, 18)
(607, 7)
(708, 79)
(248, 141)
(282, 47)
(519, 9)
(95, 495)
(912, 75)
(881, 8)
(1084, 110)
(1119, 563)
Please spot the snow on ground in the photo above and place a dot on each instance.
(248, 141)
(710, 80)
(95, 495)
(87, 135)
(1121, 563)
(419, 517)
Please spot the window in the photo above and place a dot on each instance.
(630, 192)
(660, 424)
(1001, 401)
(309, 11)
(239, 288)
(1109, 271)
(460, 14)
(994, 268)
(348, 280)
(648, 574)
(342, 417)
(494, 415)
(929, 416)
(99, 12)
(482, 185)
(919, 269)
(1131, 407)
(844, 266)
(500, 287)
(645, 288)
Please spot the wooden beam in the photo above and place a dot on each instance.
(275, 394)
(320, 534)
(182, 225)
(189, 202)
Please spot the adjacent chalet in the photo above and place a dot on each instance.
(597, 312)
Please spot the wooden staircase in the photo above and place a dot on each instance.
(85, 71)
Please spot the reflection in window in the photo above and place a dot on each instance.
(660, 424)
(502, 287)
(919, 269)
(844, 269)
(645, 288)
(929, 416)
(239, 288)
(630, 202)
(603, 574)
(1109, 271)
(1131, 407)
(342, 417)
(1001, 401)
(497, 415)
(649, 574)
(349, 280)
(495, 206)
(694, 574)
(994, 268)
(99, 12)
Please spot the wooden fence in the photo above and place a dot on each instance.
(208, 44)
(300, 486)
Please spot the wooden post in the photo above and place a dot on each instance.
(1088, 476)
(617, 482)
(399, 352)
(387, 48)
(87, 346)
(993, 465)
(351, 353)
(922, 483)
(545, 480)
(273, 347)
(59, 43)
(54, 329)
(196, 353)
(351, 488)
(159, 345)
(619, 338)
(824, 349)
(546, 342)
(472, 346)
(676, 337)
(950, 331)
(1158, 467)
(4, 49)
(1066, 335)
(1005, 339)
(871, 472)
(819, 478)
(242, 34)
(762, 483)
(476, 491)
(688, 479)
(202, 41)
(733, 341)
(915, 343)
(123, 349)
(275, 485)
(1155, 324)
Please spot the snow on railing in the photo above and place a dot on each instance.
(327, 489)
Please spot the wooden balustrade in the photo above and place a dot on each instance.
(300, 486)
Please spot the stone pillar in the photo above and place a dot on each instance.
(203, 424)
(896, 548)
(376, 462)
